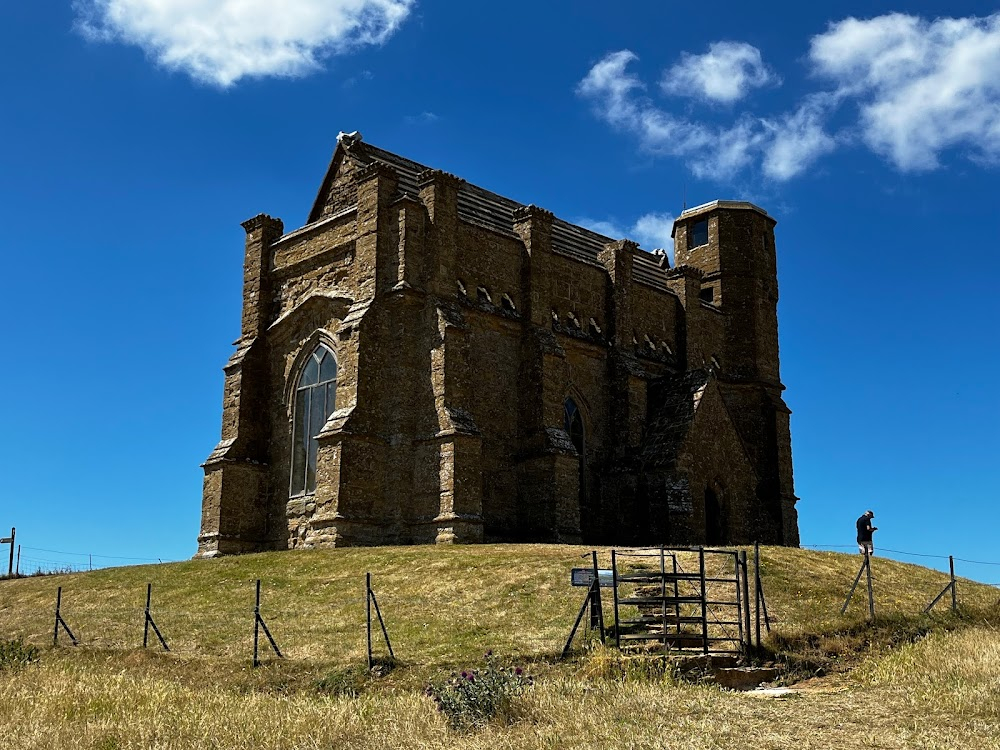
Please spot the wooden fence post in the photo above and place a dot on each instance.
(951, 585)
(954, 594)
(10, 565)
(871, 595)
(371, 599)
(756, 590)
(704, 599)
(368, 616)
(597, 605)
(857, 580)
(746, 596)
(149, 621)
(614, 581)
(61, 621)
(258, 625)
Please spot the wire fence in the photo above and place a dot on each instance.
(30, 560)
(324, 621)
(238, 620)
(46, 560)
(989, 564)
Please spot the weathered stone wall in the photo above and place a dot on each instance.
(496, 360)
(577, 293)
(492, 263)
(655, 323)
(713, 458)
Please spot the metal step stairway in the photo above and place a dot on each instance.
(659, 598)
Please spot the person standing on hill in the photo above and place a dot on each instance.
(865, 530)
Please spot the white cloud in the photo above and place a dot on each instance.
(717, 152)
(607, 228)
(609, 83)
(424, 118)
(797, 139)
(726, 73)
(221, 41)
(651, 231)
(922, 86)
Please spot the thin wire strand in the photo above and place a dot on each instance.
(92, 554)
(977, 562)
(912, 554)
(904, 552)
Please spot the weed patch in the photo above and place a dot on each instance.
(16, 654)
(353, 681)
(476, 697)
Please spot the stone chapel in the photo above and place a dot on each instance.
(426, 361)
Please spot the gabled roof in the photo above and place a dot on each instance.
(489, 210)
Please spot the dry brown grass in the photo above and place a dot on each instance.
(444, 608)
(107, 704)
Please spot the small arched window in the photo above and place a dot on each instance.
(573, 424)
(315, 399)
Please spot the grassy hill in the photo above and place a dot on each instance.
(444, 607)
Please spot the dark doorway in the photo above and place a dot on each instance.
(715, 523)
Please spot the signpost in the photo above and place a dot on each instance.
(594, 579)
(10, 540)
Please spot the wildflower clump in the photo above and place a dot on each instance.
(472, 698)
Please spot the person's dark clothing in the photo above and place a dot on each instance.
(864, 529)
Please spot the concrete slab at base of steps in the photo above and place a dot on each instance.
(776, 692)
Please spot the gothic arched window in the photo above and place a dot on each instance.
(573, 424)
(314, 403)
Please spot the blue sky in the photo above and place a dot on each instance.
(137, 135)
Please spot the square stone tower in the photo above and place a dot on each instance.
(732, 242)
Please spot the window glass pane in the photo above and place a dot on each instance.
(573, 424)
(327, 368)
(331, 399)
(311, 467)
(576, 433)
(310, 373)
(299, 438)
(569, 409)
(317, 419)
(699, 233)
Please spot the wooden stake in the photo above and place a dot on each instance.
(954, 593)
(871, 595)
(756, 589)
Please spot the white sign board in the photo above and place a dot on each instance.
(585, 577)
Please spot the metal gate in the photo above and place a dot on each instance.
(687, 599)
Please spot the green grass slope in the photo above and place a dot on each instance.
(443, 605)
(915, 681)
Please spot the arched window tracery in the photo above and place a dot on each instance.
(315, 400)
(573, 424)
